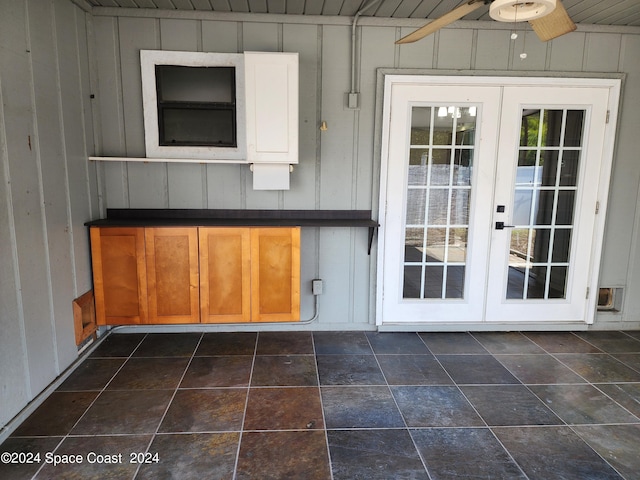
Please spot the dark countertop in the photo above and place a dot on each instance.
(172, 217)
(151, 217)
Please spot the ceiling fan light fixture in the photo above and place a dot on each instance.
(519, 10)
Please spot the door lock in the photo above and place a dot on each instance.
(502, 226)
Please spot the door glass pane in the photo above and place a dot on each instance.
(544, 203)
(433, 276)
(552, 128)
(441, 166)
(438, 206)
(421, 126)
(462, 167)
(459, 206)
(549, 167)
(416, 206)
(573, 128)
(438, 201)
(419, 161)
(413, 244)
(436, 241)
(569, 169)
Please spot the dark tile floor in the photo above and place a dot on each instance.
(342, 405)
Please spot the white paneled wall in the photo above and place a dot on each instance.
(339, 168)
(47, 191)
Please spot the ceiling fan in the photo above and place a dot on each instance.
(548, 18)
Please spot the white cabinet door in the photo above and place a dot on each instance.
(271, 89)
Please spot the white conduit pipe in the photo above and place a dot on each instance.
(353, 42)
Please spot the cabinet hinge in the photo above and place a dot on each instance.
(588, 289)
(608, 115)
(597, 208)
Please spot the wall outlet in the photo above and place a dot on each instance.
(316, 286)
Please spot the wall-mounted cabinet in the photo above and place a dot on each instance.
(221, 108)
(173, 275)
(271, 94)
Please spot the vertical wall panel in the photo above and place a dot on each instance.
(43, 149)
(492, 51)
(260, 37)
(184, 180)
(418, 54)
(454, 48)
(111, 110)
(378, 50)
(14, 382)
(336, 168)
(225, 184)
(84, 27)
(109, 96)
(602, 52)
(621, 255)
(304, 40)
(337, 141)
(27, 203)
(178, 34)
(15, 390)
(147, 182)
(527, 42)
(49, 145)
(73, 98)
(567, 53)
(220, 36)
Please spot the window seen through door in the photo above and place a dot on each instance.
(544, 203)
(438, 195)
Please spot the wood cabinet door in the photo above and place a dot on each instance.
(275, 274)
(172, 274)
(225, 275)
(119, 275)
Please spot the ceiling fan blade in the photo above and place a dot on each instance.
(555, 24)
(443, 21)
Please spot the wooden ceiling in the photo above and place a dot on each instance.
(598, 12)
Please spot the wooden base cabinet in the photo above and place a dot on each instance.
(225, 275)
(119, 275)
(275, 274)
(170, 275)
(249, 274)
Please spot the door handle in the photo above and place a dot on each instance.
(502, 226)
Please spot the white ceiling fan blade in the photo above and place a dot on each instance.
(555, 24)
(443, 21)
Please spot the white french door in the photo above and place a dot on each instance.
(490, 199)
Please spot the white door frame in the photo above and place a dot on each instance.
(612, 84)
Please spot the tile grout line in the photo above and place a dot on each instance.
(404, 420)
(246, 404)
(68, 434)
(324, 418)
(587, 382)
(175, 391)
